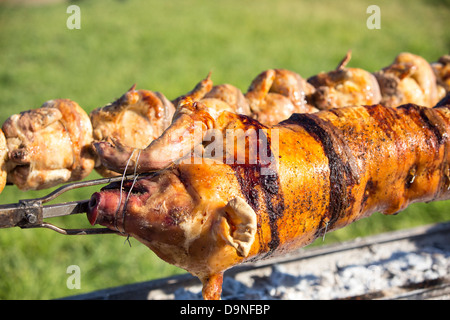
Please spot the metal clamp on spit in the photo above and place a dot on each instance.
(30, 213)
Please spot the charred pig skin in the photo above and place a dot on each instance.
(326, 171)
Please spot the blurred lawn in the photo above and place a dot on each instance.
(168, 46)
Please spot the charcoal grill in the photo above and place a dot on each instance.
(318, 272)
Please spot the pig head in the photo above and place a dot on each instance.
(187, 215)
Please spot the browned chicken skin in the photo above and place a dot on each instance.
(190, 123)
(441, 70)
(276, 94)
(344, 87)
(273, 96)
(135, 119)
(49, 145)
(409, 79)
(230, 95)
(322, 172)
(226, 93)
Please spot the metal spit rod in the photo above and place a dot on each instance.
(30, 213)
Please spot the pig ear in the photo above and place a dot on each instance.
(242, 221)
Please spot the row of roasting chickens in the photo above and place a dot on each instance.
(59, 142)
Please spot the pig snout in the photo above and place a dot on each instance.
(149, 208)
(106, 207)
(102, 208)
(92, 211)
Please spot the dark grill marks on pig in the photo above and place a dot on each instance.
(251, 178)
(437, 127)
(433, 126)
(342, 165)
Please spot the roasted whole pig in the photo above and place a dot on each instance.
(3, 157)
(344, 87)
(278, 188)
(135, 119)
(276, 93)
(48, 145)
(409, 79)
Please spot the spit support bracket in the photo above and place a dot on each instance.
(30, 213)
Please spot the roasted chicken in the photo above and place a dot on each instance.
(275, 189)
(441, 70)
(276, 94)
(230, 95)
(190, 123)
(409, 79)
(49, 145)
(273, 96)
(344, 87)
(135, 119)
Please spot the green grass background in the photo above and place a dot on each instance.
(168, 46)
